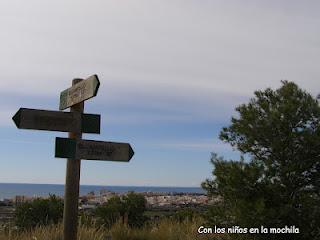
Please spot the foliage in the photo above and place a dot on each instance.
(87, 219)
(279, 182)
(110, 212)
(128, 209)
(135, 206)
(39, 212)
(187, 214)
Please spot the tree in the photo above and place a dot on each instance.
(277, 181)
(39, 212)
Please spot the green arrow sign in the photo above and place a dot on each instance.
(93, 150)
(36, 119)
(79, 92)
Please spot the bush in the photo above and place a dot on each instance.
(110, 212)
(128, 210)
(187, 214)
(39, 212)
(135, 206)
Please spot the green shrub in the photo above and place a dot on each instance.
(128, 209)
(110, 212)
(135, 206)
(39, 212)
(186, 214)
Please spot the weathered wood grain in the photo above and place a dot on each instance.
(36, 119)
(79, 92)
(93, 150)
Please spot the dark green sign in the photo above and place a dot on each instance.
(93, 150)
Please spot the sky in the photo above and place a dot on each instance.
(171, 73)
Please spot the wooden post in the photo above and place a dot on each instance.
(74, 148)
(71, 197)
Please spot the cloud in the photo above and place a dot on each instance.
(202, 144)
(182, 63)
(190, 47)
(166, 61)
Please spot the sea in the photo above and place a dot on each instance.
(10, 190)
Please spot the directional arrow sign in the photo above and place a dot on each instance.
(79, 92)
(27, 118)
(93, 150)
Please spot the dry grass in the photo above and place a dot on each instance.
(165, 230)
(54, 232)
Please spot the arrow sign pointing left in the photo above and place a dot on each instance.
(36, 119)
(93, 150)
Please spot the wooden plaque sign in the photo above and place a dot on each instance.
(79, 92)
(93, 150)
(27, 118)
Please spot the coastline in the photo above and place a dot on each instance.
(9, 190)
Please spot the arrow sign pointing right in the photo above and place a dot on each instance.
(93, 150)
(79, 92)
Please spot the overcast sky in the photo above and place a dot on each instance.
(171, 74)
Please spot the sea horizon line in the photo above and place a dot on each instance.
(103, 185)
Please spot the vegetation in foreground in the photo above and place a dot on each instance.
(165, 230)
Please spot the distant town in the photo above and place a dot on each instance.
(156, 202)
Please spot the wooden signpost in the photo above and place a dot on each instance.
(74, 148)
